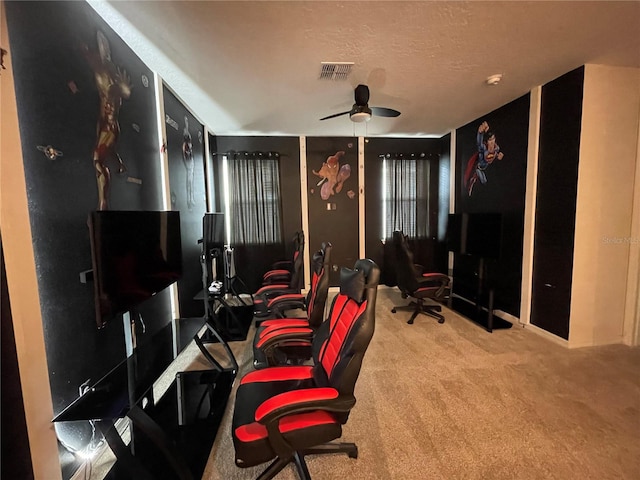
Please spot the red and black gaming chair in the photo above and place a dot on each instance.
(294, 285)
(281, 271)
(284, 413)
(281, 340)
(417, 285)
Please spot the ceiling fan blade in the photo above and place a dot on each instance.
(384, 112)
(336, 115)
(362, 95)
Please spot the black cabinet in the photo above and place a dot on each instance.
(559, 152)
(474, 290)
(171, 434)
(173, 437)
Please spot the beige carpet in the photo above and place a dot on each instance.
(452, 401)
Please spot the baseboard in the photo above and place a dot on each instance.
(618, 340)
(547, 335)
(507, 316)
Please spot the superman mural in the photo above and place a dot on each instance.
(488, 151)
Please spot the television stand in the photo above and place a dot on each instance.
(475, 311)
(170, 436)
(485, 318)
(212, 331)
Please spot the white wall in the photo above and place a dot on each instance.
(606, 177)
(530, 206)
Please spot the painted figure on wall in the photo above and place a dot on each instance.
(488, 151)
(187, 158)
(114, 86)
(332, 175)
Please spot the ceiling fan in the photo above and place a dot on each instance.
(361, 111)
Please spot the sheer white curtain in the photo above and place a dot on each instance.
(405, 195)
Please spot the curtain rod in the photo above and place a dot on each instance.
(254, 154)
(411, 155)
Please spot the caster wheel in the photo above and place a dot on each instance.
(393, 310)
(410, 322)
(441, 320)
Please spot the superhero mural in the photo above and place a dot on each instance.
(88, 130)
(332, 192)
(491, 160)
(491, 171)
(488, 151)
(184, 145)
(114, 86)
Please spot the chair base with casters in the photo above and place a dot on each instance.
(351, 449)
(420, 307)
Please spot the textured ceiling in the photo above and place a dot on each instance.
(252, 68)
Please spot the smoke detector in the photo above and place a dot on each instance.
(494, 79)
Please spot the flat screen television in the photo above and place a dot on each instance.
(135, 254)
(478, 234)
(213, 228)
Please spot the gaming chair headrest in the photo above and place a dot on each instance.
(352, 283)
(321, 257)
(357, 283)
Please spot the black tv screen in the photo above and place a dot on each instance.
(213, 228)
(478, 234)
(135, 254)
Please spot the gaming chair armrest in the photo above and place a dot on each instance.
(282, 265)
(303, 400)
(437, 281)
(270, 289)
(278, 336)
(434, 278)
(276, 276)
(287, 301)
(313, 401)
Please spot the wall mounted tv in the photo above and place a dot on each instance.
(135, 254)
(478, 234)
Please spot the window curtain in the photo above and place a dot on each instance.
(255, 201)
(406, 194)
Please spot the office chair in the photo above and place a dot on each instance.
(285, 340)
(270, 290)
(417, 285)
(282, 270)
(283, 413)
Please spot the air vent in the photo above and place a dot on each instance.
(336, 70)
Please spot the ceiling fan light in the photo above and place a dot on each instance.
(360, 117)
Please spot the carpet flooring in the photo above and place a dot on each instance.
(453, 401)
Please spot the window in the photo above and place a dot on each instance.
(405, 195)
(252, 198)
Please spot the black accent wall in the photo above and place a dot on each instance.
(429, 252)
(187, 195)
(560, 126)
(253, 261)
(504, 193)
(59, 106)
(334, 210)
